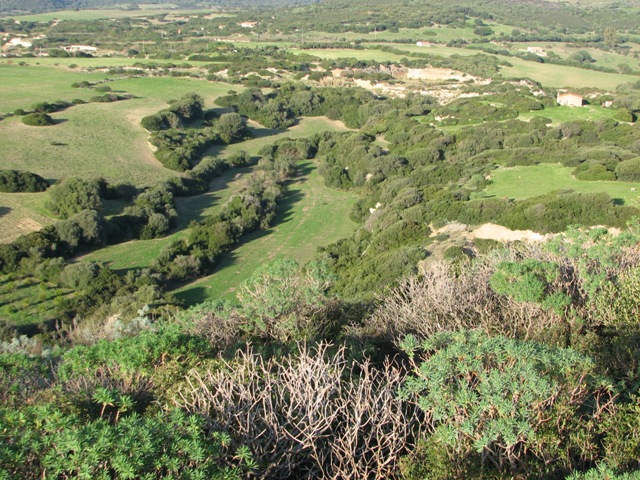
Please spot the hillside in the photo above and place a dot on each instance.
(330, 240)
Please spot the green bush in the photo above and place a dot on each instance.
(629, 170)
(74, 195)
(507, 406)
(12, 181)
(37, 120)
(43, 442)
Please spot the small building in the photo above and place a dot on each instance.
(537, 50)
(79, 48)
(569, 99)
(248, 24)
(423, 43)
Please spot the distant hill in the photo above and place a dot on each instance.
(40, 6)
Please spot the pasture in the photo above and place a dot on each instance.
(561, 114)
(26, 302)
(24, 86)
(525, 182)
(565, 50)
(555, 76)
(89, 140)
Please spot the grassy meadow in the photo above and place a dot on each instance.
(549, 75)
(89, 140)
(525, 182)
(27, 302)
(24, 86)
(562, 114)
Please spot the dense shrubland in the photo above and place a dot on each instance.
(521, 362)
(180, 143)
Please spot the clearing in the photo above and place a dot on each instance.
(524, 182)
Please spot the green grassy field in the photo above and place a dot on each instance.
(556, 76)
(311, 215)
(559, 76)
(564, 50)
(333, 53)
(565, 114)
(525, 182)
(140, 253)
(548, 75)
(94, 139)
(90, 140)
(25, 86)
(96, 62)
(265, 136)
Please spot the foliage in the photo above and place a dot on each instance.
(13, 181)
(43, 441)
(37, 120)
(280, 302)
(72, 196)
(492, 398)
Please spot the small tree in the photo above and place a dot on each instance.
(37, 120)
(74, 195)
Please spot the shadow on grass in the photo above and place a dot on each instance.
(192, 296)
(4, 211)
(303, 171)
(34, 328)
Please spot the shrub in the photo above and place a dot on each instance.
(72, 196)
(629, 170)
(37, 120)
(12, 181)
(507, 405)
(43, 441)
(313, 412)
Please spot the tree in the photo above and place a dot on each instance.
(582, 56)
(231, 127)
(610, 37)
(12, 181)
(72, 196)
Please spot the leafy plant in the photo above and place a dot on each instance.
(513, 406)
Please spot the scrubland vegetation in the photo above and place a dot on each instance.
(234, 250)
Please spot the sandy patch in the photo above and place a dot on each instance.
(491, 231)
(488, 231)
